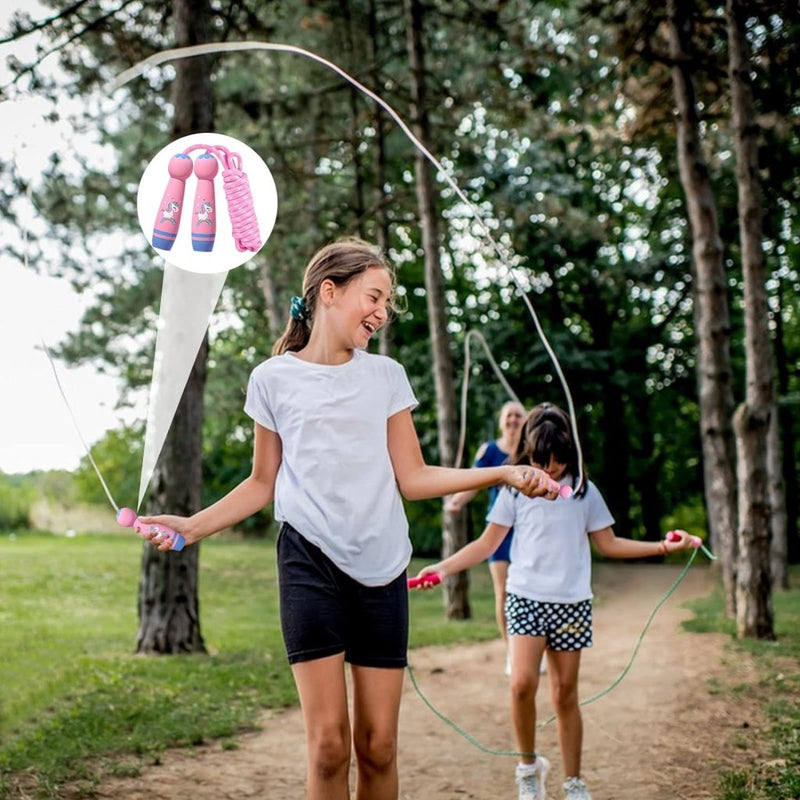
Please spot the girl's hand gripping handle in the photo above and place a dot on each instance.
(560, 489)
(157, 534)
(425, 581)
(168, 217)
(675, 536)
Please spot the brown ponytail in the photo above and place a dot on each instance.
(295, 337)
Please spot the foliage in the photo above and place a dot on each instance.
(20, 493)
(556, 122)
(16, 499)
(118, 457)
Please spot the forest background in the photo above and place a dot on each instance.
(558, 122)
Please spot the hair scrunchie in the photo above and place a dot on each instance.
(298, 309)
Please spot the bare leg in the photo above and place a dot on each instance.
(526, 653)
(323, 698)
(376, 708)
(499, 573)
(564, 668)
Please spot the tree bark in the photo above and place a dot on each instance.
(169, 613)
(784, 533)
(385, 341)
(276, 319)
(779, 520)
(711, 311)
(754, 616)
(454, 526)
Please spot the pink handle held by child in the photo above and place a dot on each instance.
(675, 536)
(128, 519)
(426, 580)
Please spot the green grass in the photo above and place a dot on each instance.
(76, 701)
(775, 775)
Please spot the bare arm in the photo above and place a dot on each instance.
(419, 481)
(455, 502)
(250, 496)
(470, 554)
(607, 543)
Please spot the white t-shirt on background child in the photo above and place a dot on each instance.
(551, 558)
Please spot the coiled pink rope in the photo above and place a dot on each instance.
(241, 209)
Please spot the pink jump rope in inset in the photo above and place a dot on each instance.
(128, 519)
(244, 222)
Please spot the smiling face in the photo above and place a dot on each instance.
(360, 307)
(511, 417)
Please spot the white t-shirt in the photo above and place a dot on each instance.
(336, 484)
(551, 558)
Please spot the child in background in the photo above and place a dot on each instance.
(335, 447)
(549, 595)
(491, 454)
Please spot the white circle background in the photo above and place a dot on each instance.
(224, 256)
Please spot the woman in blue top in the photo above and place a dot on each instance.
(493, 454)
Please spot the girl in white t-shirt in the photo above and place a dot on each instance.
(548, 603)
(336, 449)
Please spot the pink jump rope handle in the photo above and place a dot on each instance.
(562, 488)
(428, 580)
(168, 218)
(204, 216)
(128, 519)
(674, 536)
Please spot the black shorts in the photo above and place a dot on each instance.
(324, 611)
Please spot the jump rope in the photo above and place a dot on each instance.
(565, 492)
(509, 261)
(204, 215)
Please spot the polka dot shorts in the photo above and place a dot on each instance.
(566, 626)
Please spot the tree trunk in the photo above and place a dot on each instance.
(779, 549)
(711, 313)
(454, 526)
(785, 541)
(616, 458)
(169, 614)
(754, 617)
(385, 342)
(786, 445)
(276, 318)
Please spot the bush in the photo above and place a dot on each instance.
(15, 504)
(689, 516)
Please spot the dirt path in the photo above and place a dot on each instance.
(662, 734)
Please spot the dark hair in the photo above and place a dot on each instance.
(340, 262)
(547, 432)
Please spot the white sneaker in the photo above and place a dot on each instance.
(575, 789)
(531, 779)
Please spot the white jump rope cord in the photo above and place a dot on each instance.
(50, 358)
(503, 255)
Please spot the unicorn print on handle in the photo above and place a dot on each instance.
(204, 214)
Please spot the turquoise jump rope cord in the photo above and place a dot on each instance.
(492, 752)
